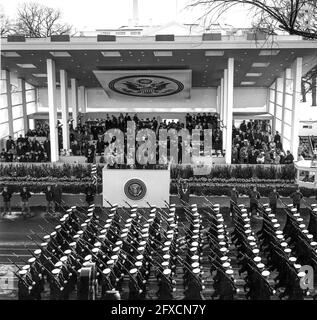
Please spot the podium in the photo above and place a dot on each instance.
(136, 186)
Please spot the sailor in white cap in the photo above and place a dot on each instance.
(165, 284)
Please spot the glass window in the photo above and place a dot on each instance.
(18, 125)
(17, 134)
(17, 112)
(279, 98)
(272, 95)
(287, 131)
(3, 115)
(288, 101)
(286, 144)
(4, 130)
(30, 95)
(28, 86)
(288, 117)
(278, 125)
(16, 98)
(3, 101)
(30, 107)
(279, 112)
(289, 86)
(3, 86)
(15, 81)
(271, 108)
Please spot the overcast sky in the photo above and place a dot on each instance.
(96, 14)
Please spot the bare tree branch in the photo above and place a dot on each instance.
(298, 17)
(35, 20)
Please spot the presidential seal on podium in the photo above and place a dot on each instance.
(135, 189)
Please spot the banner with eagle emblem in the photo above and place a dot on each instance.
(153, 84)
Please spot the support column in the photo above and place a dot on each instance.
(82, 99)
(225, 108)
(297, 76)
(9, 103)
(274, 112)
(314, 91)
(230, 73)
(52, 106)
(221, 99)
(222, 110)
(279, 88)
(64, 105)
(24, 110)
(74, 88)
(287, 75)
(218, 100)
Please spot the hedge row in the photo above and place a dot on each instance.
(223, 189)
(207, 189)
(78, 171)
(286, 172)
(40, 186)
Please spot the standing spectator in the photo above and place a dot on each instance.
(100, 148)
(10, 144)
(277, 137)
(260, 158)
(57, 195)
(47, 148)
(75, 148)
(25, 206)
(183, 191)
(234, 195)
(244, 155)
(235, 155)
(297, 197)
(289, 158)
(254, 197)
(6, 196)
(90, 156)
(50, 205)
(243, 126)
(90, 194)
(273, 197)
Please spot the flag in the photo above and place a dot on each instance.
(94, 175)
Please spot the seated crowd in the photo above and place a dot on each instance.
(87, 138)
(33, 147)
(254, 143)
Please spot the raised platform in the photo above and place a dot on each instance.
(306, 173)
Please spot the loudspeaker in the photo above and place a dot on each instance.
(104, 37)
(16, 38)
(60, 38)
(164, 37)
(257, 36)
(211, 36)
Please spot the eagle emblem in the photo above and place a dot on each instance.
(146, 86)
(135, 189)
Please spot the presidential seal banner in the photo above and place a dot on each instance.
(137, 187)
(152, 84)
